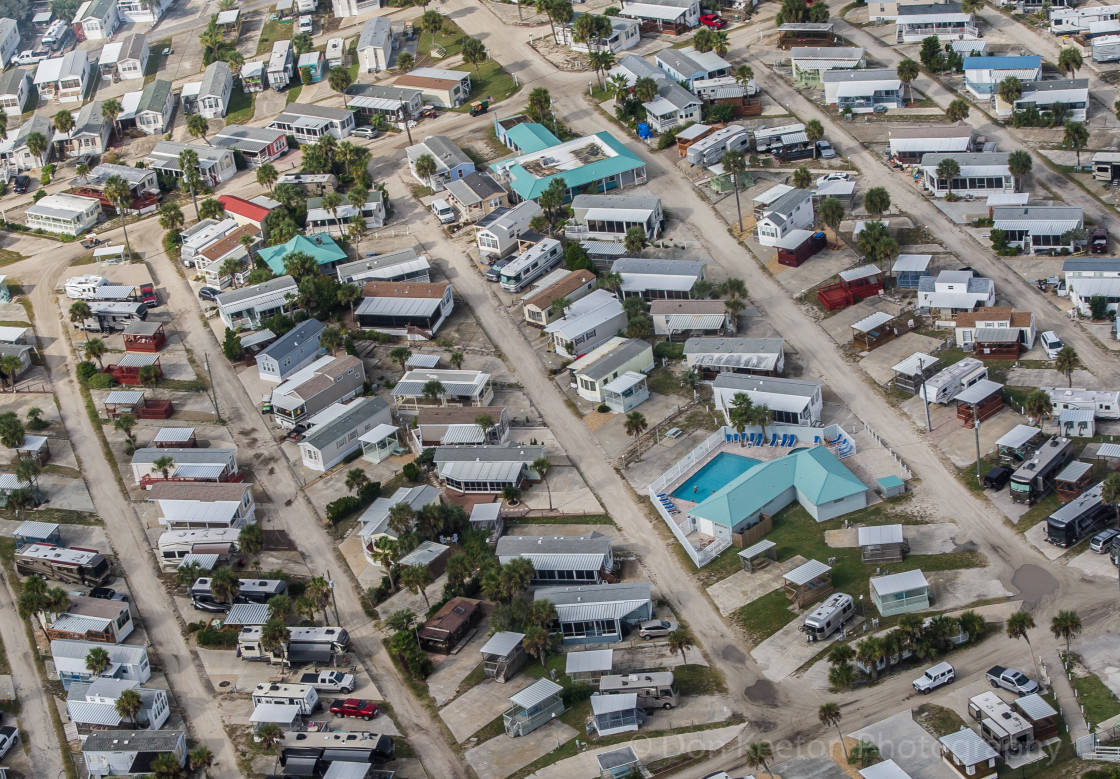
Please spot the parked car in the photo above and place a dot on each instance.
(365, 132)
(495, 271)
(1051, 344)
(1098, 241)
(9, 735)
(841, 176)
(21, 184)
(209, 293)
(1011, 679)
(306, 25)
(107, 593)
(31, 57)
(713, 21)
(997, 478)
(825, 150)
(1102, 540)
(656, 628)
(443, 211)
(934, 677)
(354, 707)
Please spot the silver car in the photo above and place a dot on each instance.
(656, 628)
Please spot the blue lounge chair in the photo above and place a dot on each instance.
(774, 440)
(816, 440)
(751, 439)
(727, 437)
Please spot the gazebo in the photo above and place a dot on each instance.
(911, 373)
(1018, 443)
(380, 443)
(1073, 480)
(128, 368)
(873, 331)
(908, 269)
(175, 438)
(612, 714)
(588, 665)
(979, 402)
(617, 763)
(758, 556)
(807, 583)
(144, 337)
(36, 448)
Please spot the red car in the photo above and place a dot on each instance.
(713, 21)
(353, 707)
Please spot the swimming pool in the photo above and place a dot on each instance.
(713, 476)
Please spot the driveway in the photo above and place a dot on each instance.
(907, 743)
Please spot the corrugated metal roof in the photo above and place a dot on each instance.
(979, 391)
(616, 758)
(756, 549)
(92, 713)
(589, 661)
(1075, 470)
(284, 713)
(860, 272)
(206, 562)
(341, 769)
(888, 769)
(1035, 707)
(967, 746)
(174, 435)
(682, 322)
(806, 572)
(247, 614)
(610, 704)
(914, 364)
(869, 323)
(997, 334)
(899, 582)
(39, 530)
(137, 360)
(124, 397)
(1017, 436)
(502, 643)
(481, 471)
(880, 534)
(536, 693)
(422, 361)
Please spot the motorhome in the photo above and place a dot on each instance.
(710, 149)
(655, 689)
(174, 545)
(538, 260)
(106, 317)
(828, 617)
(303, 695)
(250, 591)
(766, 137)
(1079, 519)
(307, 645)
(321, 750)
(1003, 728)
(65, 564)
(1035, 478)
(84, 287)
(945, 385)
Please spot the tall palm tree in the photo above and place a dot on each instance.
(188, 168)
(128, 705)
(1019, 164)
(97, 661)
(119, 193)
(111, 109)
(1018, 625)
(199, 127)
(11, 366)
(224, 585)
(735, 162)
(267, 176)
(425, 167)
(758, 755)
(3, 125)
(908, 70)
(1067, 362)
(1066, 626)
(36, 144)
(275, 637)
(28, 471)
(829, 714)
(537, 642)
(680, 640)
(319, 589)
(386, 551)
(64, 123)
(416, 578)
(636, 425)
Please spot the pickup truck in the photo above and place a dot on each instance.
(1010, 679)
(8, 737)
(329, 681)
(354, 707)
(1098, 241)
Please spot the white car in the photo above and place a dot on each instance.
(306, 25)
(443, 211)
(1051, 344)
(832, 177)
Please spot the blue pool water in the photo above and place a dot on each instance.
(722, 468)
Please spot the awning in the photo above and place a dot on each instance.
(378, 434)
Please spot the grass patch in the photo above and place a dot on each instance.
(664, 382)
(1038, 512)
(155, 56)
(449, 38)
(273, 31)
(477, 676)
(491, 729)
(8, 257)
(241, 107)
(938, 720)
(795, 532)
(580, 519)
(58, 516)
(1100, 702)
(293, 94)
(182, 385)
(698, 680)
(491, 81)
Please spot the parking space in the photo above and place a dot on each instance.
(879, 362)
(906, 742)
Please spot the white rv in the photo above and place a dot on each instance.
(828, 617)
(945, 385)
(84, 287)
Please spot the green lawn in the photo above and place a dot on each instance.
(7, 257)
(293, 93)
(272, 32)
(450, 39)
(241, 107)
(795, 532)
(698, 679)
(494, 83)
(155, 57)
(1100, 702)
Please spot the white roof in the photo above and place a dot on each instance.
(913, 364)
(863, 88)
(590, 661)
(880, 534)
(649, 11)
(1017, 436)
(869, 323)
(379, 433)
(911, 262)
(537, 692)
(888, 769)
(609, 704)
(502, 643)
(124, 397)
(174, 435)
(806, 572)
(285, 713)
(1035, 707)
(1008, 199)
(978, 391)
(967, 746)
(899, 582)
(485, 512)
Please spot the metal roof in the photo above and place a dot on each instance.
(285, 713)
(379, 433)
(914, 364)
(755, 550)
(595, 594)
(502, 643)
(124, 397)
(589, 661)
(1035, 707)
(125, 654)
(206, 562)
(133, 741)
(967, 746)
(806, 572)
(214, 456)
(137, 360)
(425, 554)
(860, 272)
(869, 323)
(997, 334)
(422, 361)
(404, 307)
(1075, 470)
(1018, 436)
(356, 412)
(888, 769)
(979, 391)
(610, 704)
(486, 512)
(273, 289)
(93, 712)
(536, 693)
(616, 758)
(247, 614)
(880, 534)
(1075, 415)
(899, 582)
(625, 382)
(343, 769)
(482, 471)
(36, 530)
(1108, 450)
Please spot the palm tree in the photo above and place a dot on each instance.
(267, 176)
(94, 349)
(163, 464)
(332, 339)
(185, 575)
(1070, 61)
(456, 359)
(1010, 90)
(832, 213)
(170, 216)
(201, 757)
(1019, 164)
(279, 606)
(27, 471)
(97, 661)
(386, 551)
(636, 425)
(1066, 626)
(224, 585)
(251, 539)
(877, 201)
(401, 619)
(758, 755)
(1076, 137)
(601, 61)
(829, 714)
(735, 162)
(128, 705)
(802, 177)
(537, 642)
(680, 640)
(485, 422)
(331, 202)
(275, 637)
(199, 127)
(474, 53)
(347, 294)
(907, 71)
(319, 590)
(957, 110)
(166, 766)
(557, 307)
(542, 466)
(405, 61)
(972, 624)
(842, 676)
(415, 578)
(118, 192)
(64, 123)
(1067, 362)
(619, 88)
(1037, 405)
(3, 125)
(645, 89)
(36, 144)
(305, 607)
(35, 418)
(869, 652)
(269, 736)
(400, 355)
(1017, 626)
(11, 366)
(864, 754)
(947, 170)
(188, 167)
(433, 390)
(425, 167)
(814, 131)
(356, 479)
(401, 518)
(111, 109)
(759, 415)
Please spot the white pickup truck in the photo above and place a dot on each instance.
(9, 735)
(329, 681)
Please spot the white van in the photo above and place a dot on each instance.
(1051, 344)
(305, 25)
(940, 674)
(443, 211)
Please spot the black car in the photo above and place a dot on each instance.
(209, 293)
(107, 593)
(996, 478)
(495, 272)
(21, 184)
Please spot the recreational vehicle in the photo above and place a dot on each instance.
(307, 645)
(1034, 478)
(945, 385)
(174, 545)
(106, 317)
(303, 695)
(65, 564)
(709, 150)
(1079, 519)
(322, 750)
(766, 137)
(828, 617)
(655, 689)
(250, 591)
(530, 266)
(84, 287)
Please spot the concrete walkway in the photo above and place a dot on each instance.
(1063, 693)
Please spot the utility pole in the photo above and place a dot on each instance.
(976, 430)
(925, 396)
(330, 583)
(213, 391)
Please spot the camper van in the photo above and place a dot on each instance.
(307, 645)
(1034, 478)
(530, 266)
(710, 149)
(250, 591)
(65, 564)
(828, 617)
(655, 689)
(1078, 519)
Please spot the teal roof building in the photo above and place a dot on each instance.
(595, 163)
(813, 477)
(320, 246)
(529, 137)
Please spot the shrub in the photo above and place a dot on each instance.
(343, 507)
(603, 408)
(39, 194)
(369, 492)
(669, 350)
(85, 370)
(217, 638)
(411, 471)
(1098, 307)
(100, 381)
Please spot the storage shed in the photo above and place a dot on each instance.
(969, 755)
(882, 544)
(611, 714)
(488, 516)
(979, 402)
(1078, 423)
(1073, 480)
(807, 583)
(617, 763)
(900, 593)
(429, 554)
(799, 245)
(908, 269)
(891, 486)
(503, 655)
(589, 665)
(536, 705)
